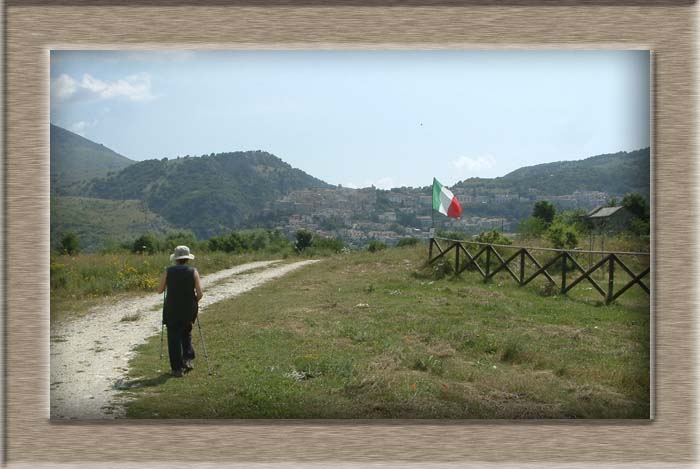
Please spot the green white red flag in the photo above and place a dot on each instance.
(444, 201)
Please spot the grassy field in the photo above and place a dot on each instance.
(375, 335)
(86, 280)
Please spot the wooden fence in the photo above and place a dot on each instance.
(488, 261)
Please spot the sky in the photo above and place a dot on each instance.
(360, 118)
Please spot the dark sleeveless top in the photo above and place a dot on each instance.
(181, 300)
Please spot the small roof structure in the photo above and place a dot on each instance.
(611, 219)
(603, 212)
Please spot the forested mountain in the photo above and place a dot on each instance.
(208, 194)
(616, 173)
(216, 193)
(75, 158)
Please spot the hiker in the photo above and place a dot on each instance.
(184, 290)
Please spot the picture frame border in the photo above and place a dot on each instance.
(30, 438)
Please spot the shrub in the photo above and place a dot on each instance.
(576, 219)
(493, 237)
(407, 242)
(375, 245)
(562, 236)
(179, 238)
(57, 273)
(458, 235)
(442, 268)
(639, 227)
(69, 244)
(531, 228)
(334, 245)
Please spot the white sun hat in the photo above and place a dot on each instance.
(181, 252)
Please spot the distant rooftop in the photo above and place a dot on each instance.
(603, 212)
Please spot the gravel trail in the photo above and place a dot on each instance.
(90, 355)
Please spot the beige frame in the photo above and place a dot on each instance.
(666, 27)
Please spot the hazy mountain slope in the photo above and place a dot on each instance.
(616, 173)
(98, 222)
(207, 194)
(75, 158)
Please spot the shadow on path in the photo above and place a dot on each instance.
(123, 384)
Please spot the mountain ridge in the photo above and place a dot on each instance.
(210, 193)
(74, 158)
(215, 193)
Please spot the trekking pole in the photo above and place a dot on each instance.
(161, 341)
(206, 357)
(161, 329)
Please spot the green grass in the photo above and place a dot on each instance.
(84, 281)
(373, 335)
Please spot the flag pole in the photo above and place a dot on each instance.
(431, 235)
(432, 210)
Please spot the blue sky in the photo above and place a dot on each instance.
(356, 118)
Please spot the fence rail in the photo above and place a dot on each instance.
(571, 272)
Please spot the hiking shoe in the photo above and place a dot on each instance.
(188, 366)
(177, 373)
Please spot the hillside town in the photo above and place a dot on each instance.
(359, 215)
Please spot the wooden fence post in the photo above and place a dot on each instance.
(611, 279)
(522, 266)
(457, 258)
(488, 262)
(430, 250)
(563, 272)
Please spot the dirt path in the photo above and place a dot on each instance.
(90, 355)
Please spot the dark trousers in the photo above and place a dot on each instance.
(179, 344)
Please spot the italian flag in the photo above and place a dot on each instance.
(444, 201)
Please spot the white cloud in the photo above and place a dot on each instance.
(468, 166)
(81, 127)
(63, 87)
(133, 87)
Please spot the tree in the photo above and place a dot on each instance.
(303, 240)
(144, 244)
(637, 205)
(178, 238)
(544, 210)
(69, 243)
